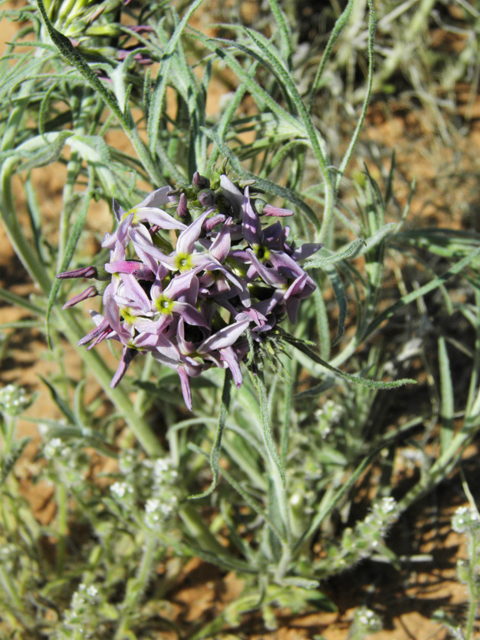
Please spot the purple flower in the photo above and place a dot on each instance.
(190, 300)
(147, 211)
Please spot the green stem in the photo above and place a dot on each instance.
(278, 478)
(197, 529)
(472, 596)
(62, 497)
(284, 563)
(73, 169)
(327, 222)
(11, 590)
(30, 260)
(132, 599)
(10, 424)
(145, 377)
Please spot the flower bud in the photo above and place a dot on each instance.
(182, 209)
(207, 198)
(84, 272)
(265, 209)
(91, 292)
(201, 182)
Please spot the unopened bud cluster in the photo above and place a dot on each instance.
(196, 280)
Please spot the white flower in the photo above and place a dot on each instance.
(121, 489)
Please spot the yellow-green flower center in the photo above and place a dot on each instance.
(135, 217)
(262, 253)
(183, 262)
(164, 305)
(127, 315)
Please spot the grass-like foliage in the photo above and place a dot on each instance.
(293, 349)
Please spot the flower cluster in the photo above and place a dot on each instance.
(190, 273)
(13, 400)
(81, 618)
(148, 488)
(466, 520)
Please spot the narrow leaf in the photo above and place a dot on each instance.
(368, 92)
(18, 301)
(316, 140)
(339, 292)
(73, 239)
(267, 431)
(266, 185)
(217, 443)
(47, 154)
(365, 382)
(337, 29)
(447, 403)
(78, 61)
(8, 461)
(59, 401)
(323, 261)
(414, 295)
(163, 77)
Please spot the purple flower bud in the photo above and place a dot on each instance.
(84, 272)
(182, 209)
(91, 292)
(268, 210)
(200, 181)
(209, 224)
(207, 198)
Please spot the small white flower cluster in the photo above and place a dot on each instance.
(151, 483)
(69, 463)
(123, 492)
(157, 511)
(374, 527)
(127, 461)
(8, 556)
(164, 501)
(56, 449)
(81, 615)
(465, 519)
(84, 596)
(13, 400)
(328, 417)
(163, 472)
(385, 507)
(366, 537)
(366, 621)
